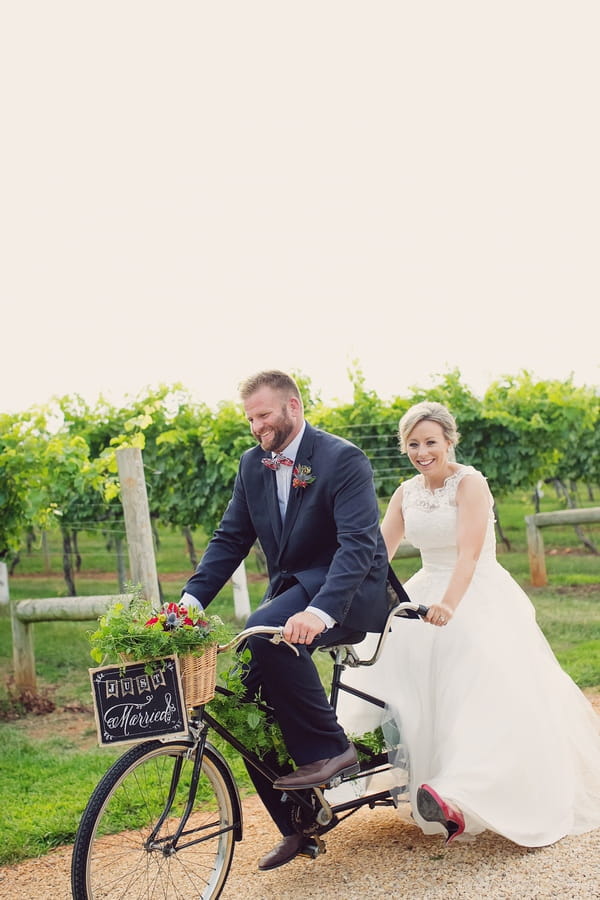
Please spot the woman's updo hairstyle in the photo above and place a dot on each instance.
(435, 412)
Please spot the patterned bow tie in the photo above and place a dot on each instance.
(273, 462)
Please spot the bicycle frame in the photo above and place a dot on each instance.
(376, 764)
(326, 815)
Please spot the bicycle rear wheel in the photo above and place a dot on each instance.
(124, 845)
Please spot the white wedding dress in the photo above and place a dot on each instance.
(486, 715)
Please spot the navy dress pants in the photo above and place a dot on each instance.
(291, 685)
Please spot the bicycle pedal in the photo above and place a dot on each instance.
(343, 776)
(312, 847)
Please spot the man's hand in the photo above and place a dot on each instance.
(303, 627)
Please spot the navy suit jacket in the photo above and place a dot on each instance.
(330, 541)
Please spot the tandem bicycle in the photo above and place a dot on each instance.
(165, 818)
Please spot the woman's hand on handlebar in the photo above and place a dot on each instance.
(439, 614)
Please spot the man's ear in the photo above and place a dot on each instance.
(295, 406)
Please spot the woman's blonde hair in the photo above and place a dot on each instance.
(434, 412)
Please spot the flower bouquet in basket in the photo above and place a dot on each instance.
(136, 632)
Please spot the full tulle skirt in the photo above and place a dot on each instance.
(486, 715)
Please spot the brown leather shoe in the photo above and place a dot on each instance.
(282, 853)
(319, 773)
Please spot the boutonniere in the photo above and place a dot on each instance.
(302, 476)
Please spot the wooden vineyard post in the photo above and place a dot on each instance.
(137, 522)
(535, 548)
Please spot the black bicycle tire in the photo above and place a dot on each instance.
(215, 770)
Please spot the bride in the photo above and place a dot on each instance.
(498, 736)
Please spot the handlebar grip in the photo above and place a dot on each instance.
(411, 610)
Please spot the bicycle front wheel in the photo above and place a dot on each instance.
(126, 844)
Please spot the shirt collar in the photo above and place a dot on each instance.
(291, 450)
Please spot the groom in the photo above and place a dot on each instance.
(309, 498)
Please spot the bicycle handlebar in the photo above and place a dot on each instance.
(276, 632)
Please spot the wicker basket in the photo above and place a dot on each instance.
(199, 676)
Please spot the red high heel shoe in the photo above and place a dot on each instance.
(433, 808)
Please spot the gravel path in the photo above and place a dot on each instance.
(372, 854)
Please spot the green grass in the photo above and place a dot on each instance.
(582, 663)
(570, 619)
(44, 786)
(46, 776)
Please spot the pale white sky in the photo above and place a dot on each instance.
(194, 191)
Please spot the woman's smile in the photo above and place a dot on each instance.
(427, 449)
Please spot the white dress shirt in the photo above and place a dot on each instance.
(284, 473)
(284, 483)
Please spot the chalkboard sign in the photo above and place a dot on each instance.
(132, 705)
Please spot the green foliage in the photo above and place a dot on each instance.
(178, 492)
(166, 424)
(224, 438)
(452, 393)
(43, 474)
(310, 398)
(372, 741)
(252, 724)
(248, 720)
(59, 462)
(372, 425)
(531, 429)
(521, 432)
(135, 630)
(18, 462)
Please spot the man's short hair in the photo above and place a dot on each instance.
(273, 378)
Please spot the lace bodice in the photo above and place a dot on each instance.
(431, 519)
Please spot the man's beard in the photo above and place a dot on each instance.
(279, 437)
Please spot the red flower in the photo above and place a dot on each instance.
(176, 615)
(302, 476)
